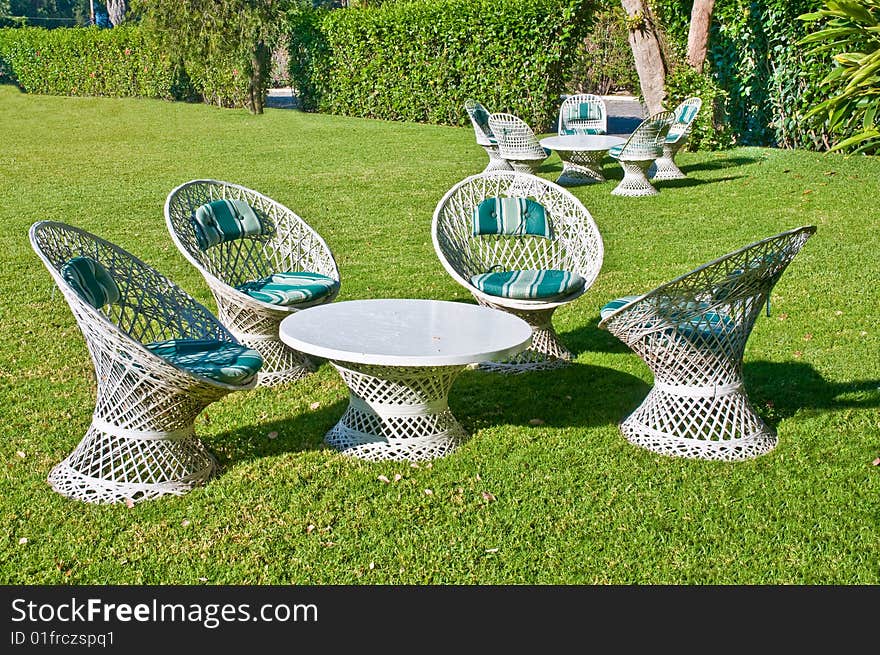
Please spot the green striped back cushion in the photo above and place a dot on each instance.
(584, 111)
(222, 361)
(482, 118)
(686, 114)
(290, 288)
(511, 216)
(529, 284)
(91, 280)
(225, 220)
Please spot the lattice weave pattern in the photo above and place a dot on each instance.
(576, 246)
(141, 443)
(397, 413)
(692, 332)
(665, 168)
(484, 136)
(290, 244)
(644, 145)
(517, 143)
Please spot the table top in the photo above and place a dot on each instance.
(406, 332)
(582, 142)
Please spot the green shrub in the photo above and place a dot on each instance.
(419, 61)
(604, 62)
(87, 61)
(711, 128)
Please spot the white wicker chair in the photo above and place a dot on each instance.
(480, 120)
(574, 246)
(665, 168)
(583, 113)
(287, 244)
(141, 443)
(644, 145)
(517, 143)
(692, 332)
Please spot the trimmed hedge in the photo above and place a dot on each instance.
(419, 61)
(88, 61)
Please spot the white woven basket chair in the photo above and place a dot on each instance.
(141, 443)
(574, 247)
(692, 332)
(644, 145)
(517, 143)
(664, 167)
(480, 120)
(284, 244)
(583, 113)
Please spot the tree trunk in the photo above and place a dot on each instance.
(258, 75)
(698, 33)
(648, 53)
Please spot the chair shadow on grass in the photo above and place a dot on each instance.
(589, 338)
(718, 164)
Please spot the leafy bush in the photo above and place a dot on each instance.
(711, 128)
(419, 61)
(850, 30)
(88, 61)
(604, 62)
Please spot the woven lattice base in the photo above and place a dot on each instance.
(664, 168)
(281, 364)
(496, 161)
(546, 351)
(529, 166)
(581, 167)
(711, 427)
(634, 182)
(105, 468)
(397, 413)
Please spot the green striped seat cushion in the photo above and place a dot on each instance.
(222, 361)
(511, 216)
(224, 220)
(615, 151)
(704, 322)
(528, 285)
(574, 128)
(91, 281)
(614, 305)
(290, 288)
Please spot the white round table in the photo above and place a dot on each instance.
(581, 156)
(399, 359)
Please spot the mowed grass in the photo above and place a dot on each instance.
(564, 500)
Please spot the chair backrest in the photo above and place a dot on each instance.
(685, 114)
(574, 244)
(479, 116)
(144, 306)
(516, 140)
(583, 113)
(716, 302)
(284, 243)
(646, 142)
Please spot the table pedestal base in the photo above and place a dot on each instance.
(397, 413)
(581, 167)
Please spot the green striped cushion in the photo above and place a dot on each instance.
(686, 114)
(574, 128)
(225, 220)
(482, 118)
(511, 216)
(531, 284)
(91, 280)
(290, 288)
(615, 151)
(614, 305)
(222, 361)
(584, 111)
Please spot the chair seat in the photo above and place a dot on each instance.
(290, 288)
(705, 322)
(222, 361)
(528, 284)
(615, 151)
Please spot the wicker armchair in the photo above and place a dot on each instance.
(639, 152)
(521, 244)
(692, 332)
(260, 275)
(664, 167)
(517, 143)
(583, 113)
(159, 357)
(480, 121)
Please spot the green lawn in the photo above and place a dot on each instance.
(568, 500)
